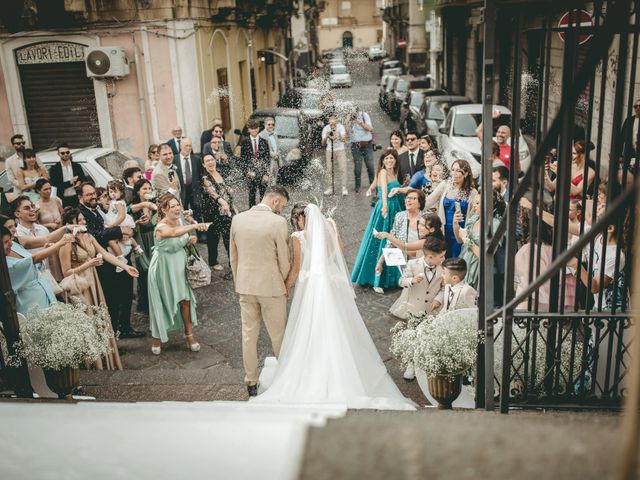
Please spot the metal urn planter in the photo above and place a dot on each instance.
(445, 389)
(62, 382)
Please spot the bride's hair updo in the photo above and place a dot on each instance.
(297, 212)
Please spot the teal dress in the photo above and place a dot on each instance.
(30, 289)
(364, 269)
(168, 286)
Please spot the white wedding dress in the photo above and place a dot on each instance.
(327, 355)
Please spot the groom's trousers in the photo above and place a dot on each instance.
(253, 308)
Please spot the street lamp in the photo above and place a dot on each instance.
(266, 56)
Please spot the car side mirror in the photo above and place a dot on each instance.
(237, 131)
(443, 130)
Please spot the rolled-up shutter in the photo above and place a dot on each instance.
(60, 103)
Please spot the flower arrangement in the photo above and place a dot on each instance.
(63, 335)
(443, 344)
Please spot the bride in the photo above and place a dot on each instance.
(327, 354)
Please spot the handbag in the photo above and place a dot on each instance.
(198, 272)
(74, 284)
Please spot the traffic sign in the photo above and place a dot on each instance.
(583, 20)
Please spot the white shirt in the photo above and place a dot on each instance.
(67, 175)
(339, 133)
(634, 131)
(36, 230)
(415, 157)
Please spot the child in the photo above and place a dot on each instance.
(421, 293)
(117, 216)
(457, 293)
(423, 286)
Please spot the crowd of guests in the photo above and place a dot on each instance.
(68, 240)
(417, 197)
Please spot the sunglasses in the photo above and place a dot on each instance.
(19, 143)
(154, 151)
(411, 139)
(636, 106)
(65, 153)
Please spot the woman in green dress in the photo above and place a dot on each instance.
(172, 304)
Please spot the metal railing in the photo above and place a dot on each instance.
(563, 336)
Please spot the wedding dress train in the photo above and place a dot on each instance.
(327, 355)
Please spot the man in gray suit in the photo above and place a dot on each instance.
(164, 178)
(259, 254)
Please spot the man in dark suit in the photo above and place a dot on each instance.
(411, 161)
(66, 176)
(255, 161)
(175, 141)
(209, 133)
(187, 166)
(629, 140)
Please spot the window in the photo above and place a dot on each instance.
(338, 70)
(402, 86)
(287, 126)
(416, 100)
(113, 162)
(466, 124)
(310, 101)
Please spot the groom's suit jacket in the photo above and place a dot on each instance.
(418, 298)
(259, 252)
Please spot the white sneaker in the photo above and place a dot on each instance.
(328, 191)
(410, 373)
(378, 290)
(345, 192)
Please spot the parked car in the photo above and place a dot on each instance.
(315, 105)
(391, 67)
(410, 108)
(433, 111)
(398, 93)
(457, 137)
(293, 136)
(376, 52)
(385, 81)
(100, 164)
(339, 77)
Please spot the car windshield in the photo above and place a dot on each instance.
(113, 162)
(402, 86)
(466, 123)
(416, 99)
(338, 69)
(310, 100)
(287, 126)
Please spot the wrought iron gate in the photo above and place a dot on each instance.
(562, 336)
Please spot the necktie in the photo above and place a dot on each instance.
(411, 161)
(255, 150)
(429, 273)
(187, 171)
(450, 297)
(178, 143)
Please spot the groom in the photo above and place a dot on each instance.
(259, 254)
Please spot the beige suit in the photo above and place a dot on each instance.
(418, 298)
(160, 181)
(259, 254)
(464, 296)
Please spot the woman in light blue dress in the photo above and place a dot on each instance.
(381, 220)
(31, 290)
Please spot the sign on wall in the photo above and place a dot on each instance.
(50, 52)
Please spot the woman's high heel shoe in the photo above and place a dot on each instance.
(194, 347)
(156, 349)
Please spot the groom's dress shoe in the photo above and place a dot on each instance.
(253, 390)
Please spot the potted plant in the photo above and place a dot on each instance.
(59, 338)
(443, 345)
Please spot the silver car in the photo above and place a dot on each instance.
(339, 77)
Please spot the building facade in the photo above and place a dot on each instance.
(350, 24)
(405, 36)
(189, 62)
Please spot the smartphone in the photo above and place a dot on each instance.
(80, 228)
(188, 213)
(375, 232)
(458, 207)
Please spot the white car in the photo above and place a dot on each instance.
(99, 164)
(376, 52)
(339, 77)
(457, 137)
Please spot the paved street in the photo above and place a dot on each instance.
(216, 371)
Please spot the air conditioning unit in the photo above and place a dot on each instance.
(106, 62)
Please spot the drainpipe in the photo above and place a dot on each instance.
(139, 79)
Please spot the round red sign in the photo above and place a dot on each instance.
(582, 18)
